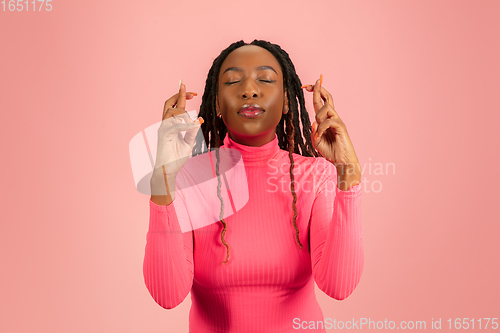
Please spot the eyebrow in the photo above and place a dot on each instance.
(239, 69)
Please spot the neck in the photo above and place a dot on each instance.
(255, 140)
(255, 155)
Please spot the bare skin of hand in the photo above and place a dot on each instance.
(173, 148)
(330, 138)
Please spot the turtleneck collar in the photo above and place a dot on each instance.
(255, 155)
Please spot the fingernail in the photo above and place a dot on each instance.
(200, 120)
(193, 93)
(180, 82)
(321, 80)
(306, 85)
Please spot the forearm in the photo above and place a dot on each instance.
(162, 187)
(168, 261)
(339, 262)
(348, 175)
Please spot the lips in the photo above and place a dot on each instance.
(250, 110)
(250, 107)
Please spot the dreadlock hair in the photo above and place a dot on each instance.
(289, 137)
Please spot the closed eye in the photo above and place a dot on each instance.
(232, 82)
(267, 81)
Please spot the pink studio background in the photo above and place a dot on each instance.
(416, 83)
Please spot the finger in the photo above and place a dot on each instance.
(181, 101)
(314, 135)
(308, 87)
(191, 133)
(326, 96)
(335, 124)
(326, 112)
(169, 103)
(184, 116)
(185, 127)
(172, 101)
(317, 102)
(173, 112)
(314, 127)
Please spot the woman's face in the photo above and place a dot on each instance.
(250, 97)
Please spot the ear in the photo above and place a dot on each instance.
(285, 103)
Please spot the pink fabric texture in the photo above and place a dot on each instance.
(268, 283)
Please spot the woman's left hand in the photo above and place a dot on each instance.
(330, 138)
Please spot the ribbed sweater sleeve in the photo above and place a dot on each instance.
(336, 235)
(168, 261)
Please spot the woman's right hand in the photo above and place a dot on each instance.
(173, 149)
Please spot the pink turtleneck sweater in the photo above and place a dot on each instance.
(268, 283)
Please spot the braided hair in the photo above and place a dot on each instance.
(288, 130)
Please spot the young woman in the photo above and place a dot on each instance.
(255, 270)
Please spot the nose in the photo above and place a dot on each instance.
(249, 90)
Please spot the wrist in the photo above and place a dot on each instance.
(348, 175)
(345, 184)
(162, 184)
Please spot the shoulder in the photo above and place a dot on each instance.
(319, 162)
(317, 167)
(297, 158)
